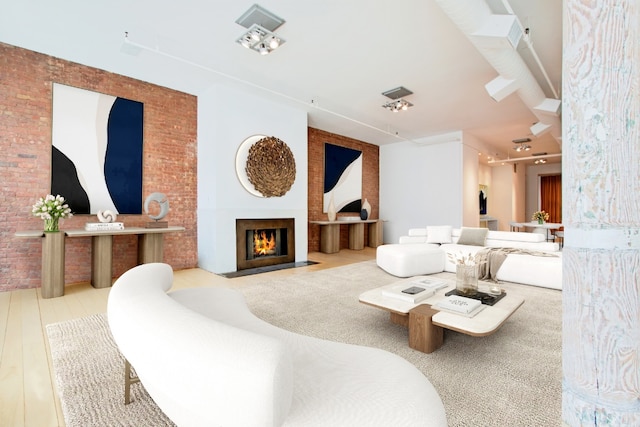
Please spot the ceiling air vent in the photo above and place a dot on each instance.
(399, 92)
(521, 140)
(258, 15)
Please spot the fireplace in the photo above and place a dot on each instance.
(263, 242)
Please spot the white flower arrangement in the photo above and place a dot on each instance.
(540, 216)
(51, 209)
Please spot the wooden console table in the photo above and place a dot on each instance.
(330, 234)
(150, 249)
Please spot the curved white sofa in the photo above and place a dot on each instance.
(420, 253)
(206, 360)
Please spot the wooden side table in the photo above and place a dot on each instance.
(330, 234)
(150, 249)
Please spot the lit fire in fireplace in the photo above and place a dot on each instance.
(264, 243)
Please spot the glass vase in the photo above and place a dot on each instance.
(466, 279)
(540, 221)
(51, 225)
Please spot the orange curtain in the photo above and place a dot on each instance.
(551, 196)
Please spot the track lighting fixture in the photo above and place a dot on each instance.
(398, 105)
(260, 39)
(522, 147)
(260, 24)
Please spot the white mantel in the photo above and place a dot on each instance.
(225, 119)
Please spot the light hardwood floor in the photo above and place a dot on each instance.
(27, 388)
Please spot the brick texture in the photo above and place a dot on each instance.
(370, 181)
(169, 165)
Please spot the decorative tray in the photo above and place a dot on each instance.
(484, 297)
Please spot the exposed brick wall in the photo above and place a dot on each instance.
(370, 181)
(169, 165)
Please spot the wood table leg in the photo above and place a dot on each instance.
(53, 265)
(356, 236)
(375, 234)
(399, 319)
(150, 248)
(101, 261)
(423, 334)
(330, 238)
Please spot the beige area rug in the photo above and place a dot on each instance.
(511, 378)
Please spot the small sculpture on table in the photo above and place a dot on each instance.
(107, 216)
(162, 200)
(106, 222)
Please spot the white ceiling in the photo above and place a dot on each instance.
(338, 58)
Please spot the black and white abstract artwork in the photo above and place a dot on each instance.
(342, 178)
(97, 141)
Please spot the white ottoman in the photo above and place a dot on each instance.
(410, 259)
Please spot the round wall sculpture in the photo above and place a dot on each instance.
(162, 200)
(265, 166)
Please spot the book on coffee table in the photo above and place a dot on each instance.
(409, 293)
(460, 305)
(430, 283)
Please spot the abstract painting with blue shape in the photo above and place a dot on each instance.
(342, 178)
(97, 141)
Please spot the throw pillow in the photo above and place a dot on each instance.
(472, 236)
(439, 234)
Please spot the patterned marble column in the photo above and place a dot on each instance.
(601, 213)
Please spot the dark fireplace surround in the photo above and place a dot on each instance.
(282, 230)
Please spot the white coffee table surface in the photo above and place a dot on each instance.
(484, 323)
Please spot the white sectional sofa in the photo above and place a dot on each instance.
(427, 250)
(206, 360)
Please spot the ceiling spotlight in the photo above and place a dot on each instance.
(274, 43)
(398, 105)
(256, 33)
(522, 147)
(263, 49)
(540, 161)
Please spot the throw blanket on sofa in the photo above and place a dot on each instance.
(491, 259)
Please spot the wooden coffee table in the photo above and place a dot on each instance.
(426, 324)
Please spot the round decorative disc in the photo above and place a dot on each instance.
(270, 168)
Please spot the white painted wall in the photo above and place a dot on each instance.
(420, 186)
(502, 193)
(518, 198)
(226, 117)
(470, 187)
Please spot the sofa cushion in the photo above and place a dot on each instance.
(412, 239)
(439, 234)
(516, 236)
(540, 246)
(417, 232)
(410, 260)
(472, 236)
